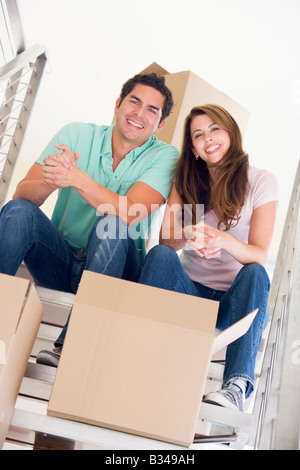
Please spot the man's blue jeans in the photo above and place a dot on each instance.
(27, 234)
(249, 291)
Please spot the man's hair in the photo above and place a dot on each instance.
(155, 81)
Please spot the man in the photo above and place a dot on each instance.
(111, 179)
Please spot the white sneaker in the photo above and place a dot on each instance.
(229, 397)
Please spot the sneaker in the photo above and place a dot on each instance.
(48, 358)
(227, 397)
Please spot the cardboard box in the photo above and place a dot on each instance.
(189, 90)
(20, 316)
(135, 358)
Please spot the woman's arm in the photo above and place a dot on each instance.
(171, 232)
(175, 233)
(260, 235)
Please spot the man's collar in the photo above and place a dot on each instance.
(107, 144)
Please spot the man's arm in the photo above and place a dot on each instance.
(60, 171)
(33, 188)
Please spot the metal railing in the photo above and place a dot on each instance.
(11, 38)
(19, 81)
(276, 409)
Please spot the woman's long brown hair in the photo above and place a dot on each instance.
(227, 195)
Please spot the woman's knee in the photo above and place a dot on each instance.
(163, 269)
(163, 257)
(255, 273)
(162, 254)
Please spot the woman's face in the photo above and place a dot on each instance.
(210, 141)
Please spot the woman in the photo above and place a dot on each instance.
(222, 257)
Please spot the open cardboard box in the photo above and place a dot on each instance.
(20, 316)
(135, 358)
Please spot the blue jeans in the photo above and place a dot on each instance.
(27, 234)
(250, 290)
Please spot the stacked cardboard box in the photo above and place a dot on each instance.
(190, 90)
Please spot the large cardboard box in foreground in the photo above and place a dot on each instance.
(21, 312)
(135, 358)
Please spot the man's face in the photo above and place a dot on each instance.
(139, 114)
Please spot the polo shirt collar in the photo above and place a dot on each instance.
(106, 148)
(134, 153)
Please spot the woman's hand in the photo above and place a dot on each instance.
(255, 251)
(204, 240)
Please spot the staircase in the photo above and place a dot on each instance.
(272, 418)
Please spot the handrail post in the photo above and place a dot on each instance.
(16, 25)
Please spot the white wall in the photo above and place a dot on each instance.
(248, 50)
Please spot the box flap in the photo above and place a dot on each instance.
(152, 303)
(233, 332)
(12, 294)
(154, 68)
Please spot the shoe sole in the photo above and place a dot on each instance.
(47, 358)
(219, 400)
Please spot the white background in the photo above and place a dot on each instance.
(247, 49)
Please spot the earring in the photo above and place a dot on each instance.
(197, 157)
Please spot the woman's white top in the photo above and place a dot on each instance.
(219, 273)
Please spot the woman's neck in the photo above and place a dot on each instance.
(212, 175)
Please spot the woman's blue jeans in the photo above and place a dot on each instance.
(27, 234)
(250, 290)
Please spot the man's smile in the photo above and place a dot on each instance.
(135, 124)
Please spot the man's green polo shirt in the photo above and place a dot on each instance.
(151, 163)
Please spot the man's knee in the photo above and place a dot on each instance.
(19, 207)
(110, 227)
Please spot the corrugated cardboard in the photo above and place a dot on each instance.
(20, 316)
(190, 90)
(135, 359)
